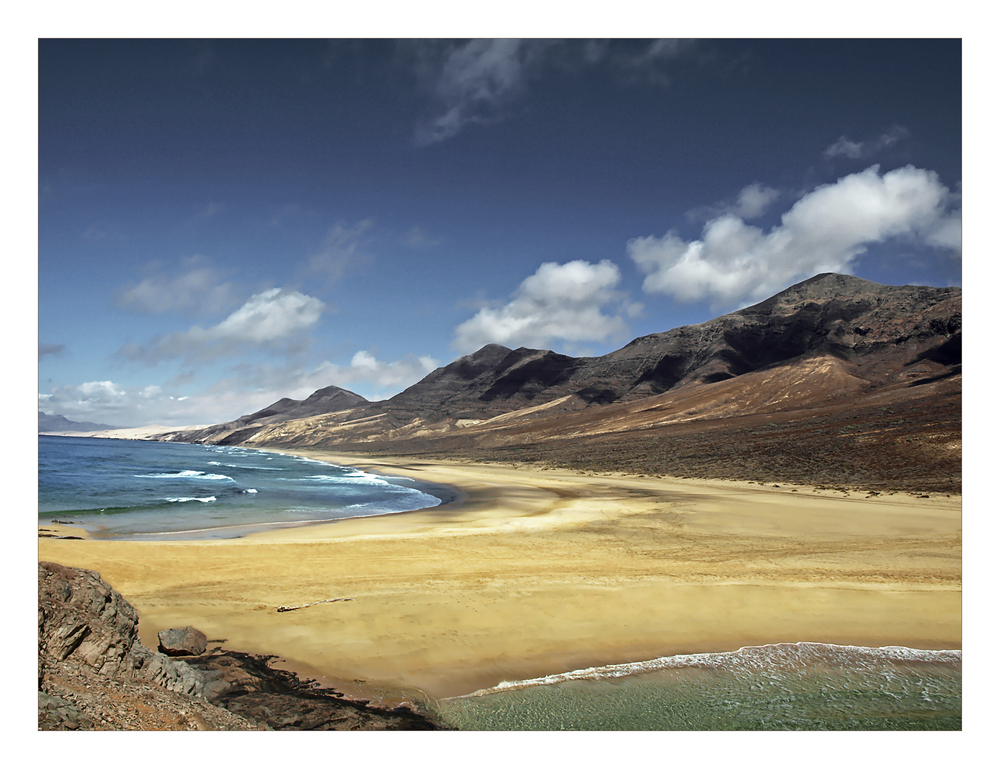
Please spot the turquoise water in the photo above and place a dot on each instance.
(795, 687)
(144, 490)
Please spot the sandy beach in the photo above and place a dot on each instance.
(531, 572)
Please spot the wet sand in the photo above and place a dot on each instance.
(531, 572)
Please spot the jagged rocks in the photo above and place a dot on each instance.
(180, 641)
(57, 714)
(94, 674)
(82, 620)
(79, 615)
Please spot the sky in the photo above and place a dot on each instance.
(223, 223)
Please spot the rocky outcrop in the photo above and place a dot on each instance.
(93, 673)
(83, 621)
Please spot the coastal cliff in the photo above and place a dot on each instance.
(94, 674)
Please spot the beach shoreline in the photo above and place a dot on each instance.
(529, 572)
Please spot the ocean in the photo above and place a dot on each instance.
(141, 490)
(145, 490)
(779, 687)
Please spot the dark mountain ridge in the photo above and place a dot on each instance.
(838, 315)
(822, 347)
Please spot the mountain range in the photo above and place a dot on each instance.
(832, 356)
(56, 423)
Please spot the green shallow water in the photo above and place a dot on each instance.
(781, 687)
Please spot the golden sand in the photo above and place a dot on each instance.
(534, 572)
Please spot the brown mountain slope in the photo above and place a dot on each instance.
(325, 401)
(829, 356)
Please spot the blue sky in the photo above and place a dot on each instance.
(222, 223)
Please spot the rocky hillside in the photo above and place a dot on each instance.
(328, 400)
(94, 674)
(832, 347)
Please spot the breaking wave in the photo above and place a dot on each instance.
(193, 474)
(750, 659)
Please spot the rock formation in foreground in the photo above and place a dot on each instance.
(94, 674)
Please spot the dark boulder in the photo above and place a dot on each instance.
(182, 641)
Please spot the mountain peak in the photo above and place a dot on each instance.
(488, 352)
(883, 335)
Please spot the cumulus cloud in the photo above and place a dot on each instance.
(102, 392)
(267, 319)
(865, 149)
(387, 375)
(752, 202)
(111, 403)
(87, 402)
(197, 288)
(558, 302)
(824, 231)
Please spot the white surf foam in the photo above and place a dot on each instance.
(196, 474)
(746, 658)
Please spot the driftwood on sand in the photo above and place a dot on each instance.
(328, 600)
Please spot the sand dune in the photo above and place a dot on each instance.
(129, 433)
(535, 572)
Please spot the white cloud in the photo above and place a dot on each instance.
(114, 404)
(365, 374)
(87, 402)
(844, 147)
(385, 378)
(866, 149)
(825, 231)
(754, 200)
(197, 289)
(265, 320)
(103, 392)
(558, 302)
(267, 316)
